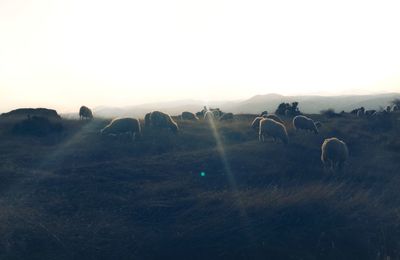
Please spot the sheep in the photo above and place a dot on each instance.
(370, 112)
(199, 114)
(274, 117)
(269, 127)
(147, 120)
(264, 113)
(334, 153)
(256, 123)
(160, 120)
(189, 116)
(217, 112)
(226, 116)
(305, 123)
(121, 126)
(388, 109)
(85, 113)
(395, 108)
(208, 115)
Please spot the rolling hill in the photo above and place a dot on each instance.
(256, 104)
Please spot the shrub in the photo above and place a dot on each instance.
(288, 109)
(37, 126)
(330, 113)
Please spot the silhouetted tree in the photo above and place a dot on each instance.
(281, 110)
(288, 109)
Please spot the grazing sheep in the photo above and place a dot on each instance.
(189, 116)
(256, 123)
(147, 120)
(226, 116)
(121, 126)
(334, 153)
(160, 120)
(269, 127)
(370, 112)
(318, 124)
(85, 113)
(200, 114)
(217, 112)
(305, 123)
(357, 111)
(208, 115)
(274, 117)
(264, 113)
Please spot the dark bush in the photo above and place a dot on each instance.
(40, 112)
(37, 126)
(330, 113)
(287, 109)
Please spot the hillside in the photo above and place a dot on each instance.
(79, 195)
(256, 104)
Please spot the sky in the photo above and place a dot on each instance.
(63, 54)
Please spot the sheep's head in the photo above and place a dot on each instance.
(104, 131)
(174, 128)
(315, 129)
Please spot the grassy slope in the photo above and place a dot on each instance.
(83, 196)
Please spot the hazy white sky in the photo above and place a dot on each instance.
(66, 53)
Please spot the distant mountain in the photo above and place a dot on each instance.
(313, 103)
(256, 104)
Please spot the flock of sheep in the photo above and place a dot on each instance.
(334, 152)
(360, 112)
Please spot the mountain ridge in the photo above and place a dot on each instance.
(255, 104)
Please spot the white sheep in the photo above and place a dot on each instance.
(370, 112)
(160, 120)
(305, 123)
(85, 113)
(269, 127)
(334, 153)
(189, 116)
(147, 120)
(121, 126)
(208, 115)
(226, 116)
(256, 123)
(274, 117)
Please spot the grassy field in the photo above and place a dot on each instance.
(78, 195)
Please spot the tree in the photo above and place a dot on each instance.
(288, 109)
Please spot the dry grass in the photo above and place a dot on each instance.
(77, 195)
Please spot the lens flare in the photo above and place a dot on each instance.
(231, 178)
